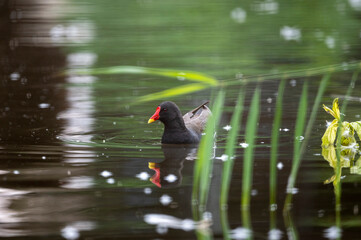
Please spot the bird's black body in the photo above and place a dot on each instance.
(179, 129)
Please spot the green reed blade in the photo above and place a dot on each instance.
(179, 74)
(338, 170)
(228, 164)
(308, 72)
(274, 151)
(251, 134)
(203, 165)
(299, 148)
(230, 146)
(176, 91)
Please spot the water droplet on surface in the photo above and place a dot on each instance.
(239, 15)
(293, 83)
(147, 190)
(14, 76)
(321, 213)
(165, 199)
(290, 33)
(280, 165)
(292, 190)
(43, 157)
(143, 176)
(44, 105)
(171, 178)
(273, 207)
(110, 181)
(16, 172)
(227, 127)
(275, 234)
(244, 145)
(224, 157)
(332, 232)
(106, 174)
(241, 233)
(70, 233)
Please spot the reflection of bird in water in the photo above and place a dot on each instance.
(181, 130)
(168, 172)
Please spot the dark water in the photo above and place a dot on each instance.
(78, 159)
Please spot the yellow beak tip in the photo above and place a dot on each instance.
(151, 120)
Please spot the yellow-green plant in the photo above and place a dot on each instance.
(349, 146)
(348, 130)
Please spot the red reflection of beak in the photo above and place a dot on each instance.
(155, 116)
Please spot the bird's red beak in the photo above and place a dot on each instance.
(155, 116)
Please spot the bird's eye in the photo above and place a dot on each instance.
(164, 109)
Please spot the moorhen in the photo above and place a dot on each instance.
(181, 130)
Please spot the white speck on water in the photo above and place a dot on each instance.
(114, 123)
(244, 145)
(110, 181)
(321, 213)
(207, 216)
(343, 177)
(170, 178)
(355, 210)
(43, 157)
(70, 233)
(254, 192)
(328, 123)
(269, 100)
(14, 76)
(227, 127)
(275, 234)
(181, 76)
(332, 232)
(239, 15)
(293, 83)
(143, 176)
(290, 33)
(44, 105)
(284, 130)
(224, 157)
(106, 174)
(300, 138)
(355, 4)
(147, 190)
(161, 229)
(69, 172)
(280, 165)
(165, 199)
(241, 233)
(81, 59)
(239, 76)
(266, 7)
(330, 42)
(16, 172)
(103, 140)
(292, 190)
(357, 116)
(273, 207)
(317, 154)
(187, 225)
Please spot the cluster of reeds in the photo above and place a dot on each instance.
(204, 163)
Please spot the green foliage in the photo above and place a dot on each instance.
(251, 134)
(203, 166)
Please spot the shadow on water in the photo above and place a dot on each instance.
(168, 172)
